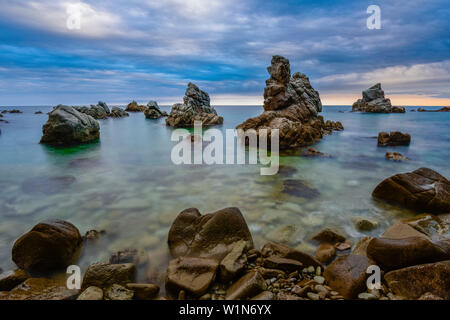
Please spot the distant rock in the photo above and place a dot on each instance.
(196, 107)
(99, 111)
(66, 126)
(51, 245)
(373, 101)
(38, 112)
(135, 107)
(311, 152)
(444, 109)
(12, 111)
(395, 138)
(291, 105)
(117, 112)
(420, 190)
(395, 156)
(153, 111)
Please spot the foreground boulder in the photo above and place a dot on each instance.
(421, 190)
(415, 281)
(41, 289)
(153, 111)
(291, 105)
(190, 274)
(104, 275)
(347, 275)
(392, 254)
(49, 246)
(196, 107)
(66, 126)
(135, 107)
(282, 251)
(248, 286)
(395, 138)
(373, 101)
(211, 235)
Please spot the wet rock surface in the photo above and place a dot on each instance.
(41, 289)
(195, 107)
(153, 111)
(291, 105)
(395, 138)
(104, 275)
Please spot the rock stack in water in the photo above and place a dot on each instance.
(153, 111)
(66, 126)
(373, 101)
(98, 111)
(291, 105)
(196, 107)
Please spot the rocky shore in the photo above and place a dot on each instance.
(214, 258)
(373, 101)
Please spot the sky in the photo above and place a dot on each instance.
(144, 50)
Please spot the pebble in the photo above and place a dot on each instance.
(334, 293)
(313, 296)
(366, 296)
(311, 269)
(319, 279)
(318, 271)
(319, 288)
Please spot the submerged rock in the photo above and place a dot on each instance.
(211, 235)
(135, 107)
(395, 156)
(66, 126)
(373, 101)
(49, 246)
(153, 111)
(423, 189)
(291, 105)
(298, 188)
(395, 138)
(196, 107)
(47, 185)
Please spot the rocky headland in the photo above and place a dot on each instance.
(195, 107)
(292, 106)
(374, 101)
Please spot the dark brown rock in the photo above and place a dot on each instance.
(211, 235)
(234, 262)
(190, 274)
(143, 291)
(289, 265)
(392, 254)
(41, 289)
(10, 279)
(395, 156)
(298, 188)
(325, 253)
(135, 107)
(265, 295)
(415, 281)
(50, 245)
(282, 251)
(347, 275)
(247, 286)
(328, 235)
(423, 189)
(395, 138)
(374, 101)
(104, 275)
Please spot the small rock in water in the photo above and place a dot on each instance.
(396, 156)
(298, 188)
(366, 225)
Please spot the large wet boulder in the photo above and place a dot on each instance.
(41, 289)
(395, 138)
(153, 111)
(191, 274)
(374, 101)
(66, 126)
(104, 275)
(392, 254)
(347, 275)
(210, 235)
(49, 246)
(133, 106)
(291, 105)
(420, 190)
(195, 107)
(415, 281)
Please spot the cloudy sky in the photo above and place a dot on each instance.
(150, 49)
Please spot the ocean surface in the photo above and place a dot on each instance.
(127, 185)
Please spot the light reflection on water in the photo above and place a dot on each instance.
(127, 185)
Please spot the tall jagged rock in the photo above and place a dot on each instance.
(291, 105)
(195, 107)
(373, 101)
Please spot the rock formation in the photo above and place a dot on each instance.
(66, 126)
(395, 138)
(135, 107)
(118, 113)
(421, 190)
(98, 111)
(291, 105)
(196, 107)
(373, 101)
(153, 111)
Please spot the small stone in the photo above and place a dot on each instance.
(311, 269)
(318, 271)
(313, 296)
(143, 291)
(366, 296)
(117, 292)
(319, 288)
(319, 279)
(91, 293)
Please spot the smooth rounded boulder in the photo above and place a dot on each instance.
(67, 126)
(421, 190)
(210, 235)
(49, 246)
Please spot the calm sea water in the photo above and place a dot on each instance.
(127, 185)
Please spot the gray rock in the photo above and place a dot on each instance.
(118, 113)
(374, 101)
(117, 292)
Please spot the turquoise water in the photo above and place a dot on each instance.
(127, 185)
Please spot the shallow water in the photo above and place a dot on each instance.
(127, 185)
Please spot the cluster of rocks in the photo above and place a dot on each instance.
(291, 105)
(195, 107)
(395, 138)
(12, 111)
(133, 106)
(153, 111)
(102, 111)
(373, 101)
(443, 109)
